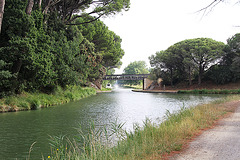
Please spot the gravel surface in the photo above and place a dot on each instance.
(219, 143)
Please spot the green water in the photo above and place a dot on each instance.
(19, 130)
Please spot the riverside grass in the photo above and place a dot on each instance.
(31, 101)
(211, 91)
(133, 86)
(151, 141)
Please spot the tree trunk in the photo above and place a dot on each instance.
(171, 72)
(17, 65)
(2, 4)
(29, 7)
(200, 74)
(189, 76)
(40, 4)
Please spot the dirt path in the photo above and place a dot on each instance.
(219, 143)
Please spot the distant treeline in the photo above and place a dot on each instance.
(197, 60)
(49, 43)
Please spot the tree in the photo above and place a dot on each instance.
(29, 7)
(70, 10)
(163, 62)
(204, 52)
(232, 56)
(2, 4)
(107, 43)
(39, 52)
(136, 67)
(188, 56)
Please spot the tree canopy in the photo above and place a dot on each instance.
(188, 57)
(39, 52)
(90, 10)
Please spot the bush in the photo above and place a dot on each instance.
(34, 104)
(5, 79)
(220, 74)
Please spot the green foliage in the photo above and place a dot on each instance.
(92, 143)
(5, 79)
(42, 52)
(85, 8)
(220, 74)
(167, 65)
(136, 67)
(212, 91)
(33, 101)
(232, 56)
(106, 42)
(187, 58)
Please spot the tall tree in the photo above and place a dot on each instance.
(167, 63)
(107, 43)
(29, 7)
(188, 56)
(70, 10)
(183, 60)
(2, 4)
(204, 53)
(232, 58)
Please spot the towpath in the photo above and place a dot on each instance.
(220, 143)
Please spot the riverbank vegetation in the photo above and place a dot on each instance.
(151, 141)
(46, 44)
(213, 91)
(199, 59)
(32, 101)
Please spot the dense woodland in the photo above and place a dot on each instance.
(50, 43)
(197, 60)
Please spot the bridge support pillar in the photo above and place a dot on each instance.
(146, 83)
(98, 84)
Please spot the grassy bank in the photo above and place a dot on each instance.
(28, 101)
(132, 86)
(211, 91)
(152, 141)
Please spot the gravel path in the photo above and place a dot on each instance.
(219, 143)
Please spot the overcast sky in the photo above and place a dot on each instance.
(154, 25)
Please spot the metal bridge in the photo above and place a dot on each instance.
(131, 77)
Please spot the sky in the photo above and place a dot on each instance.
(154, 25)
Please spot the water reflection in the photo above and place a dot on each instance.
(19, 130)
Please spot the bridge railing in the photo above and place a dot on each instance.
(126, 77)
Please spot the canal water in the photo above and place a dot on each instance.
(19, 130)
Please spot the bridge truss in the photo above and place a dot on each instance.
(131, 77)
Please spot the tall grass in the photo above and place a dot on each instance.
(150, 141)
(212, 91)
(27, 101)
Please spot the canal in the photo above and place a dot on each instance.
(19, 130)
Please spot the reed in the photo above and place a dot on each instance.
(150, 141)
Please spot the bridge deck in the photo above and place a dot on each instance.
(126, 77)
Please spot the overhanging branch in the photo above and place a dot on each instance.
(71, 24)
